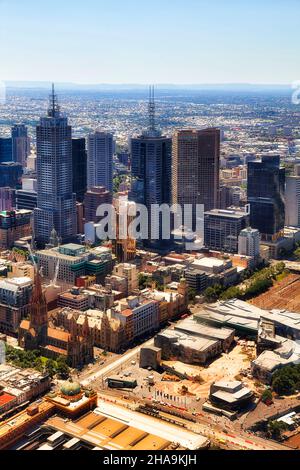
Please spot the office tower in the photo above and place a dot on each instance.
(7, 199)
(292, 199)
(79, 162)
(56, 201)
(20, 144)
(266, 185)
(222, 229)
(6, 154)
(100, 160)
(196, 165)
(151, 166)
(11, 175)
(249, 242)
(95, 197)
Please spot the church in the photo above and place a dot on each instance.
(35, 333)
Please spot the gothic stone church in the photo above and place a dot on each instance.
(35, 333)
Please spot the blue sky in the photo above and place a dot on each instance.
(150, 41)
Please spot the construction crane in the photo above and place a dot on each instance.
(54, 280)
(31, 255)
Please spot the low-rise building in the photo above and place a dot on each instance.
(176, 345)
(74, 261)
(231, 395)
(14, 225)
(18, 386)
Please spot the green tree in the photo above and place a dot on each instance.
(266, 396)
(276, 428)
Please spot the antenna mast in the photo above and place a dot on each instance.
(53, 110)
(151, 109)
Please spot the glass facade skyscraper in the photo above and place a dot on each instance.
(55, 198)
(79, 162)
(266, 187)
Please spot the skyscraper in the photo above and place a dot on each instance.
(20, 144)
(292, 199)
(249, 242)
(94, 198)
(5, 149)
(56, 200)
(79, 162)
(266, 186)
(151, 166)
(196, 165)
(100, 160)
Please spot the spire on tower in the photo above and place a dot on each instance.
(151, 109)
(53, 110)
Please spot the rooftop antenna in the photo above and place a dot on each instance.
(151, 109)
(53, 110)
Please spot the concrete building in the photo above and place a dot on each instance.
(245, 318)
(150, 357)
(249, 243)
(100, 150)
(73, 261)
(292, 199)
(15, 295)
(231, 395)
(204, 272)
(176, 345)
(18, 386)
(222, 229)
(95, 197)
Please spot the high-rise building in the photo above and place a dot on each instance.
(7, 199)
(151, 168)
(20, 144)
(95, 197)
(6, 154)
(292, 199)
(79, 162)
(222, 229)
(56, 200)
(249, 242)
(196, 166)
(11, 175)
(100, 160)
(266, 186)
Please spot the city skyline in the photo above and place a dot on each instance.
(126, 42)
